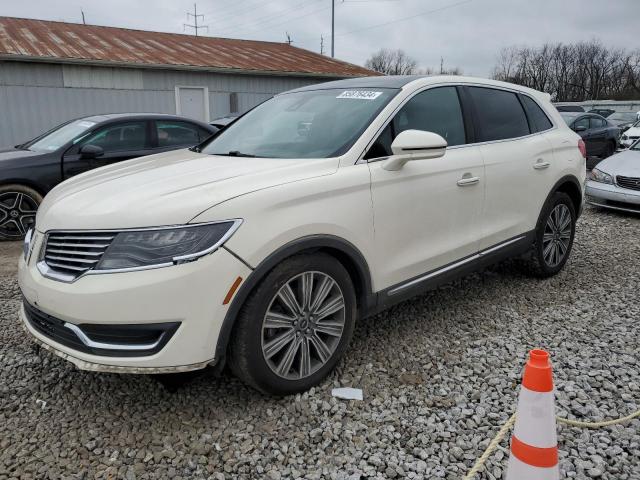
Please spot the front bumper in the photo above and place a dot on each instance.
(190, 295)
(612, 196)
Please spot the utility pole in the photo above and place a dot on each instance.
(333, 28)
(289, 41)
(82, 12)
(321, 45)
(195, 16)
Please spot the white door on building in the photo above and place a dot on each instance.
(193, 102)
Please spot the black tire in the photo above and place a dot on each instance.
(245, 355)
(540, 266)
(15, 221)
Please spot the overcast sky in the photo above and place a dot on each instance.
(465, 33)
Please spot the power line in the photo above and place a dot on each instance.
(195, 16)
(288, 20)
(404, 19)
(265, 19)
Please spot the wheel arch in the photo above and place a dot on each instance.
(25, 183)
(570, 185)
(345, 252)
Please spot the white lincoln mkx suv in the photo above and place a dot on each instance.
(263, 245)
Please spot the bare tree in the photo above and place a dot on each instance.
(391, 62)
(572, 72)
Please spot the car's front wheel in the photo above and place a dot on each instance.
(295, 326)
(554, 235)
(18, 205)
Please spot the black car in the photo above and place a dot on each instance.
(28, 171)
(569, 108)
(600, 137)
(603, 112)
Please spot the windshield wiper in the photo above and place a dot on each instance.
(236, 153)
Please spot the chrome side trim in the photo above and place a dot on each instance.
(110, 346)
(453, 266)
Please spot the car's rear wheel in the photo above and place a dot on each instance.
(18, 205)
(295, 326)
(555, 231)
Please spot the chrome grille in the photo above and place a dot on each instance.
(632, 183)
(74, 253)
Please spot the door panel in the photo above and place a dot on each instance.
(423, 219)
(519, 175)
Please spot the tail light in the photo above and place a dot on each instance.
(583, 148)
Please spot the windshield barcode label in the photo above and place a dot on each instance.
(360, 94)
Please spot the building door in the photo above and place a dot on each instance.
(193, 102)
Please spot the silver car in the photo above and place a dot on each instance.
(615, 183)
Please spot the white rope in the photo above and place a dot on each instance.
(509, 423)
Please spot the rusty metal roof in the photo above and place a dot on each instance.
(40, 40)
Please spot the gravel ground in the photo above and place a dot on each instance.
(439, 375)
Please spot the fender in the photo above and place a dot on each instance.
(576, 183)
(366, 298)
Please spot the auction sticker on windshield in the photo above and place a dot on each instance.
(360, 94)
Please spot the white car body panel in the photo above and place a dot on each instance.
(630, 136)
(404, 223)
(627, 164)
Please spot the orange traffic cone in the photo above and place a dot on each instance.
(534, 443)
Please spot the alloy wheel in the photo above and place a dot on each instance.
(557, 235)
(17, 214)
(303, 325)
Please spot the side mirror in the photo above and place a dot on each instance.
(414, 145)
(579, 128)
(91, 151)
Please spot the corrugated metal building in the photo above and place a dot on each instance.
(51, 72)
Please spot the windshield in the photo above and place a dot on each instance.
(309, 124)
(624, 116)
(635, 146)
(58, 137)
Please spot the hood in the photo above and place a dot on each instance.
(165, 189)
(13, 153)
(632, 132)
(626, 163)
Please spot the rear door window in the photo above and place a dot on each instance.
(540, 121)
(176, 133)
(499, 113)
(597, 122)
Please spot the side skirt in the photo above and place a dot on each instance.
(428, 281)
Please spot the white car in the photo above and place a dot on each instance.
(266, 243)
(630, 135)
(615, 182)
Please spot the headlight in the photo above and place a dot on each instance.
(600, 176)
(26, 246)
(624, 137)
(165, 246)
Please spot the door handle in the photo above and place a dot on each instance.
(466, 181)
(541, 164)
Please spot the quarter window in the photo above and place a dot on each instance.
(539, 119)
(597, 122)
(500, 114)
(435, 110)
(119, 137)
